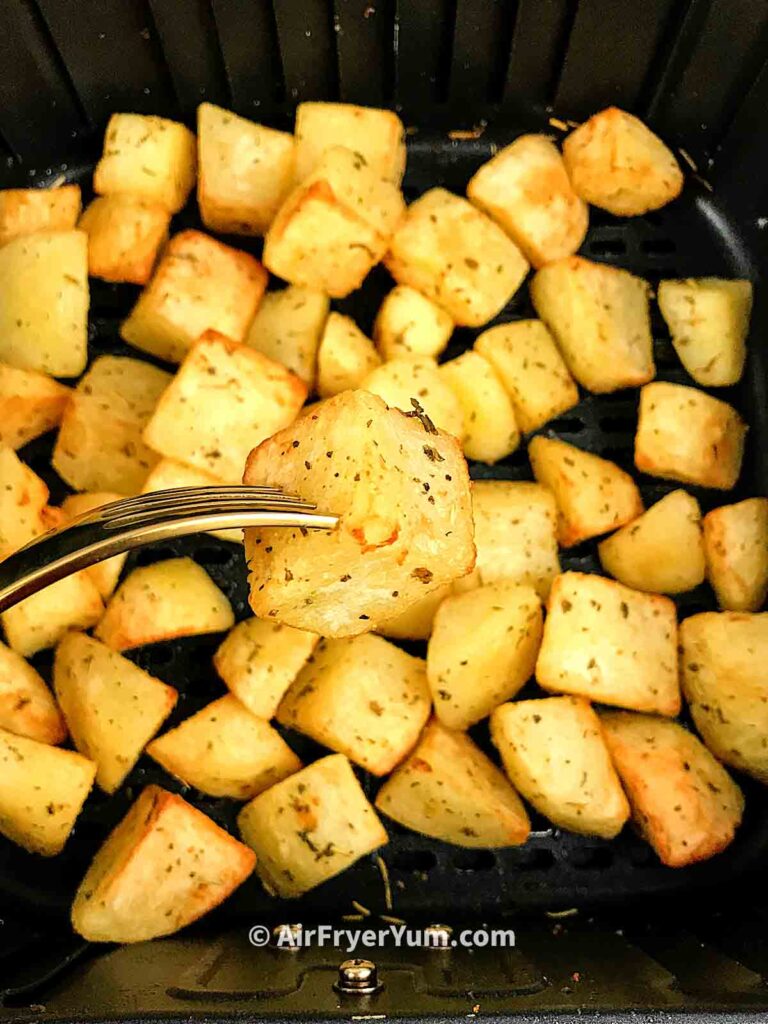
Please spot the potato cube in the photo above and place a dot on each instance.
(684, 803)
(259, 660)
(410, 324)
(345, 356)
(287, 328)
(593, 495)
(163, 601)
(225, 399)
(360, 696)
(377, 136)
(27, 707)
(44, 312)
(616, 162)
(31, 404)
(736, 545)
(104, 574)
(456, 256)
(685, 434)
(450, 790)
(199, 285)
(524, 355)
(662, 551)
(310, 827)
(40, 621)
(415, 623)
(100, 445)
(168, 473)
(42, 791)
(482, 650)
(335, 226)
(403, 382)
(112, 707)
(124, 237)
(723, 659)
(610, 644)
(401, 489)
(554, 753)
(490, 429)
(23, 496)
(600, 319)
(525, 189)
(166, 848)
(245, 170)
(148, 157)
(26, 210)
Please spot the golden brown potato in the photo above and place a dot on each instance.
(125, 234)
(165, 847)
(450, 790)
(27, 707)
(245, 170)
(456, 256)
(104, 574)
(611, 644)
(662, 551)
(345, 356)
(200, 284)
(410, 324)
(310, 827)
(40, 621)
(490, 428)
(148, 157)
(616, 162)
(360, 696)
(736, 546)
(23, 496)
(401, 489)
(600, 319)
(163, 601)
(684, 803)
(377, 136)
(685, 434)
(168, 473)
(31, 404)
(525, 189)
(401, 382)
(26, 210)
(554, 753)
(593, 495)
(287, 328)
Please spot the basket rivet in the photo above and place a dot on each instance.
(357, 977)
(438, 936)
(287, 937)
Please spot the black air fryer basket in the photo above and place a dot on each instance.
(602, 928)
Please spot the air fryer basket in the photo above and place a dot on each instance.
(489, 69)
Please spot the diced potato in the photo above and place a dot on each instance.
(456, 256)
(708, 318)
(685, 434)
(104, 574)
(259, 660)
(403, 382)
(345, 356)
(335, 226)
(310, 827)
(125, 234)
(600, 319)
(450, 790)
(736, 545)
(225, 751)
(684, 802)
(410, 324)
(610, 644)
(23, 496)
(490, 428)
(245, 170)
(482, 650)
(31, 404)
(27, 707)
(362, 697)
(662, 551)
(525, 189)
(377, 136)
(616, 162)
(288, 326)
(163, 601)
(200, 285)
(40, 621)
(554, 752)
(401, 489)
(593, 495)
(26, 210)
(100, 445)
(723, 659)
(225, 399)
(44, 312)
(111, 706)
(524, 355)
(415, 623)
(149, 157)
(168, 473)
(42, 791)
(166, 849)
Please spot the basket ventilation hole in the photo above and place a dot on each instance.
(414, 860)
(474, 860)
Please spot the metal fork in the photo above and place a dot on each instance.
(133, 522)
